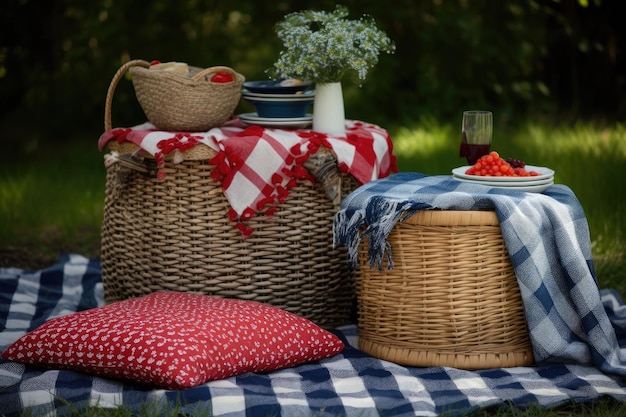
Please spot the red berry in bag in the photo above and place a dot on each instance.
(222, 77)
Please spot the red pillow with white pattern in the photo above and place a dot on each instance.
(175, 340)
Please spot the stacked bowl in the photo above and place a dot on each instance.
(278, 103)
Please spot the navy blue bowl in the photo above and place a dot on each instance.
(274, 87)
(280, 109)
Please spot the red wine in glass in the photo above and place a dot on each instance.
(473, 152)
(479, 126)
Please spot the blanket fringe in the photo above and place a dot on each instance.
(346, 232)
(387, 214)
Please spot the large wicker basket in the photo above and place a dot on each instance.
(452, 298)
(174, 234)
(176, 102)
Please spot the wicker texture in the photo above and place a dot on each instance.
(174, 234)
(176, 102)
(452, 298)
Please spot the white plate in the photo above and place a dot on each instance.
(545, 173)
(529, 188)
(294, 123)
(506, 184)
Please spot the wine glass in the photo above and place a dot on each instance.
(476, 134)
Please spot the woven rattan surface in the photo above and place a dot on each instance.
(452, 298)
(176, 102)
(174, 234)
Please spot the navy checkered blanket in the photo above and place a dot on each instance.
(349, 384)
(548, 241)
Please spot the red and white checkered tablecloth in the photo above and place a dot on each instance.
(258, 166)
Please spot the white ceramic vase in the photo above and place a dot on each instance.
(328, 110)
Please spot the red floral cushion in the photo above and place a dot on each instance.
(175, 340)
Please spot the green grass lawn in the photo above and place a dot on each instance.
(52, 193)
(52, 196)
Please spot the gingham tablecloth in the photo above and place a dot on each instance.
(258, 166)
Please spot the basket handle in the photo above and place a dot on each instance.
(211, 70)
(116, 79)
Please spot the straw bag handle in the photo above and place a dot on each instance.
(211, 70)
(116, 79)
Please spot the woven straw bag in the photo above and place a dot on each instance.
(176, 102)
(452, 298)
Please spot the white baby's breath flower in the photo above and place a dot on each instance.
(324, 47)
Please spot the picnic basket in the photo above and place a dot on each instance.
(451, 299)
(175, 234)
(177, 102)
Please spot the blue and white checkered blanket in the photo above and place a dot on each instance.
(547, 238)
(349, 384)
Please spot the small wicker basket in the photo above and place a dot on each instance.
(452, 298)
(176, 102)
(174, 234)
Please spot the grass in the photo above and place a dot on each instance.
(603, 408)
(51, 199)
(160, 409)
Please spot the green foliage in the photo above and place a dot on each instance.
(57, 58)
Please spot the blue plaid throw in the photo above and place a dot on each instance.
(547, 238)
(349, 384)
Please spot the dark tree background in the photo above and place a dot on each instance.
(557, 59)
